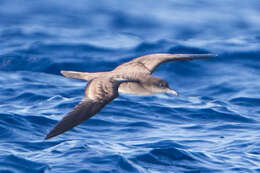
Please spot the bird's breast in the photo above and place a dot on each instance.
(134, 88)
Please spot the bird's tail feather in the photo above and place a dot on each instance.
(81, 75)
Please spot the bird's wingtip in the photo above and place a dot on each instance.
(63, 72)
(51, 134)
(199, 56)
(207, 55)
(48, 137)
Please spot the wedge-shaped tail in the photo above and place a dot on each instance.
(82, 75)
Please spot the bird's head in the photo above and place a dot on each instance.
(158, 85)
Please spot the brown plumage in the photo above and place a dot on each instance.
(131, 77)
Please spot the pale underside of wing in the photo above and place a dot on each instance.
(148, 63)
(82, 112)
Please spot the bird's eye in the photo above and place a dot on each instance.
(162, 85)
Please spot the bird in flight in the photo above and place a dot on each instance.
(133, 77)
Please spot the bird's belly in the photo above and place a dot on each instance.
(133, 88)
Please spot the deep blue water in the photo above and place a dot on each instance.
(212, 127)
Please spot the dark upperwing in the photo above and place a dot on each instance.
(82, 112)
(148, 63)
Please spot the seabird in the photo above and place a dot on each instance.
(134, 77)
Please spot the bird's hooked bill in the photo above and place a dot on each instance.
(170, 91)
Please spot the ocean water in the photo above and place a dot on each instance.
(212, 127)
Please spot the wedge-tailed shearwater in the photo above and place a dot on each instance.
(132, 77)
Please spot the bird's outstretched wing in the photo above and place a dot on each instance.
(148, 63)
(83, 111)
(98, 93)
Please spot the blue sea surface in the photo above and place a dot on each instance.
(213, 126)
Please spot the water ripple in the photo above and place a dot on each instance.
(213, 126)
